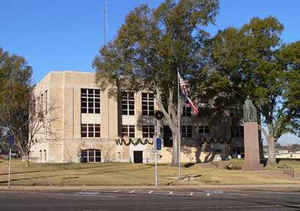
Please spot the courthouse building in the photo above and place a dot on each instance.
(87, 123)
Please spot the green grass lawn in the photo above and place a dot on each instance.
(123, 174)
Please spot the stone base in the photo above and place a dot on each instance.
(252, 167)
(252, 161)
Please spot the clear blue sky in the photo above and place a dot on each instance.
(67, 34)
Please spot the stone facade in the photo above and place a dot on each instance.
(80, 132)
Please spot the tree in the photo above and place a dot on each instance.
(19, 111)
(249, 62)
(151, 46)
(290, 57)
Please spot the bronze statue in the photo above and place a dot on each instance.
(250, 113)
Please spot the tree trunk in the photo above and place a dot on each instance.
(260, 140)
(175, 153)
(271, 150)
(26, 159)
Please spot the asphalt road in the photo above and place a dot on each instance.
(147, 199)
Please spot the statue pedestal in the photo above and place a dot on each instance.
(251, 146)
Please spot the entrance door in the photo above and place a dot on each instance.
(138, 156)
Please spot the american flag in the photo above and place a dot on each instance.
(184, 86)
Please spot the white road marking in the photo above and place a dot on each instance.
(116, 191)
(150, 192)
(171, 192)
(88, 193)
(191, 194)
(132, 191)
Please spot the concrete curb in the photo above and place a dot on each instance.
(179, 187)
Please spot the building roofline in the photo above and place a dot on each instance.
(63, 72)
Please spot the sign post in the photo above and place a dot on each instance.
(156, 176)
(10, 143)
(157, 143)
(8, 183)
(157, 147)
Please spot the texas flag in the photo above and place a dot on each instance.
(184, 86)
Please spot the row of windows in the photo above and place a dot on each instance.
(148, 131)
(90, 103)
(93, 130)
(129, 131)
(128, 103)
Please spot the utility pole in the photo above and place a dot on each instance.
(105, 20)
(178, 122)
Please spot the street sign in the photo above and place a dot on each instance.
(158, 143)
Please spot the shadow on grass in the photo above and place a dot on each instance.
(119, 170)
(40, 177)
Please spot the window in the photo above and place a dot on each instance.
(46, 101)
(42, 102)
(90, 155)
(41, 156)
(90, 101)
(187, 111)
(128, 130)
(148, 131)
(148, 104)
(90, 130)
(237, 131)
(203, 130)
(186, 131)
(167, 137)
(127, 103)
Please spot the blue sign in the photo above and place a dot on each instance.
(158, 143)
(11, 140)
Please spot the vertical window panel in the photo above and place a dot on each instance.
(128, 130)
(148, 131)
(186, 131)
(127, 103)
(203, 130)
(90, 101)
(90, 130)
(148, 104)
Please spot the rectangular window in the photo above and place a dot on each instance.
(90, 156)
(42, 103)
(187, 131)
(46, 101)
(90, 101)
(128, 103)
(187, 111)
(90, 130)
(203, 130)
(148, 104)
(148, 131)
(167, 136)
(128, 130)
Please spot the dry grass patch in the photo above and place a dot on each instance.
(123, 174)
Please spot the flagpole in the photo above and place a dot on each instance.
(179, 131)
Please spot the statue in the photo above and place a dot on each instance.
(250, 113)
